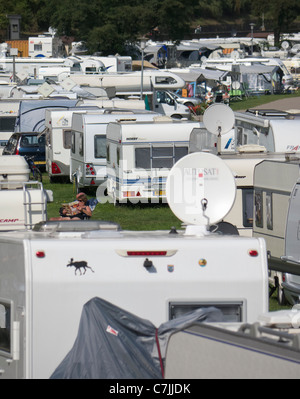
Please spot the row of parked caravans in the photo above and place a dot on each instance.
(136, 154)
(29, 318)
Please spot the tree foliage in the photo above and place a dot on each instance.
(107, 25)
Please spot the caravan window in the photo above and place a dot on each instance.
(158, 157)
(164, 80)
(100, 146)
(258, 206)
(5, 326)
(247, 195)
(7, 124)
(269, 210)
(80, 147)
(73, 143)
(67, 139)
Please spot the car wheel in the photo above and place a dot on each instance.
(176, 116)
(189, 104)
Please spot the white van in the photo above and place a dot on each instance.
(88, 143)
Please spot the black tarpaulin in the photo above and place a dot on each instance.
(113, 343)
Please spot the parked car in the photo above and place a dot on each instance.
(28, 145)
(187, 101)
(291, 288)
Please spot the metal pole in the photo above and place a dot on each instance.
(142, 74)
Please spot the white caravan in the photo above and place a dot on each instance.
(265, 130)
(23, 202)
(266, 349)
(140, 156)
(8, 114)
(276, 217)
(58, 123)
(277, 131)
(88, 143)
(38, 329)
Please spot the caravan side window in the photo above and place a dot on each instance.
(67, 139)
(247, 196)
(73, 143)
(258, 206)
(100, 146)
(5, 326)
(81, 148)
(269, 210)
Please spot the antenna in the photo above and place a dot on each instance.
(200, 191)
(218, 119)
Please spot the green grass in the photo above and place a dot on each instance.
(254, 101)
(129, 216)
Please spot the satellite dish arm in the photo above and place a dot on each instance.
(204, 203)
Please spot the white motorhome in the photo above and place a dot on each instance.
(38, 329)
(140, 156)
(130, 82)
(8, 114)
(88, 143)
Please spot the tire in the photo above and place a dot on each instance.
(176, 116)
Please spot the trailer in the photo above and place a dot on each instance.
(266, 130)
(277, 131)
(88, 143)
(140, 156)
(154, 275)
(276, 211)
(23, 202)
(266, 349)
(58, 124)
(8, 115)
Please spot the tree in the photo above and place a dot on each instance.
(281, 13)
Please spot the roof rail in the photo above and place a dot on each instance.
(76, 226)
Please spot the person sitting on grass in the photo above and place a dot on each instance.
(83, 211)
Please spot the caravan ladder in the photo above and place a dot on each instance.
(32, 207)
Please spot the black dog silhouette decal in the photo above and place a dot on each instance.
(82, 264)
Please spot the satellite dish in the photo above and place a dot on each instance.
(200, 190)
(236, 85)
(235, 54)
(218, 119)
(296, 48)
(285, 45)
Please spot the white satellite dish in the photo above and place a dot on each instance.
(235, 85)
(285, 45)
(218, 118)
(200, 190)
(295, 49)
(235, 54)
